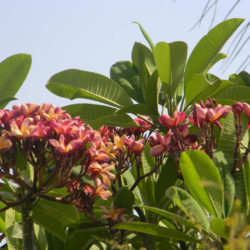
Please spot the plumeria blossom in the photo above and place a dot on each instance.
(214, 114)
(96, 170)
(163, 143)
(135, 146)
(170, 122)
(113, 214)
(50, 137)
(246, 109)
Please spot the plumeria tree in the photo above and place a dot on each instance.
(91, 176)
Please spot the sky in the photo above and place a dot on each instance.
(94, 34)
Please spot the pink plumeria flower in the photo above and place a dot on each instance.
(170, 122)
(246, 109)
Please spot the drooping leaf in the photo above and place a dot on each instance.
(189, 206)
(127, 76)
(98, 115)
(75, 83)
(13, 72)
(155, 230)
(209, 46)
(203, 180)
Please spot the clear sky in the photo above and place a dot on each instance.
(93, 34)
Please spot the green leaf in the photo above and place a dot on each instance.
(127, 76)
(143, 59)
(219, 227)
(13, 72)
(124, 198)
(142, 109)
(129, 180)
(155, 230)
(79, 238)
(145, 34)
(167, 178)
(203, 180)
(98, 115)
(10, 220)
(40, 237)
(171, 216)
(227, 179)
(170, 59)
(152, 92)
(242, 186)
(55, 217)
(196, 85)
(208, 47)
(227, 139)
(236, 93)
(75, 83)
(246, 77)
(215, 59)
(143, 56)
(189, 206)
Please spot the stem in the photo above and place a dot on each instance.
(27, 224)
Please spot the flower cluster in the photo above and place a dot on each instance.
(204, 116)
(53, 143)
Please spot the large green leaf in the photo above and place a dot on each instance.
(167, 177)
(170, 59)
(55, 217)
(227, 179)
(203, 180)
(155, 230)
(13, 242)
(227, 139)
(242, 186)
(235, 93)
(88, 232)
(127, 76)
(142, 109)
(189, 206)
(75, 83)
(98, 115)
(124, 198)
(209, 46)
(171, 216)
(143, 60)
(153, 88)
(13, 72)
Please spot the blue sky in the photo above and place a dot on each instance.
(93, 34)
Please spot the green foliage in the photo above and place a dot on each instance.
(13, 72)
(203, 180)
